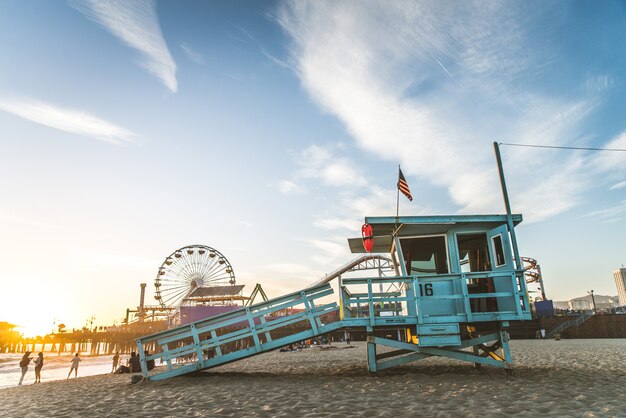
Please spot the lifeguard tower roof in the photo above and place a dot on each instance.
(383, 227)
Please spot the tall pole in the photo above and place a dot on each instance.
(398, 197)
(507, 205)
(593, 300)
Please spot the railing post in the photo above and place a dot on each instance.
(196, 342)
(371, 353)
(168, 359)
(218, 348)
(371, 301)
(255, 337)
(268, 337)
(309, 312)
(418, 300)
(142, 359)
(466, 300)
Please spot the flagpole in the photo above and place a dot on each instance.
(398, 196)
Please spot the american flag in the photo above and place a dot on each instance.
(403, 186)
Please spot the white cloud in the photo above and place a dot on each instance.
(136, 24)
(96, 258)
(609, 214)
(620, 185)
(19, 220)
(68, 120)
(612, 162)
(598, 83)
(289, 271)
(333, 251)
(333, 223)
(192, 54)
(287, 187)
(320, 163)
(416, 84)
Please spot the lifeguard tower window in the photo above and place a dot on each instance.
(498, 250)
(425, 255)
(473, 252)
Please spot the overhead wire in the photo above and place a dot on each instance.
(562, 147)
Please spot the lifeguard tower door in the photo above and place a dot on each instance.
(502, 260)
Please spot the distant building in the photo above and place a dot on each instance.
(561, 304)
(620, 283)
(585, 303)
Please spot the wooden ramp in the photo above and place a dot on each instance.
(432, 324)
(239, 334)
(457, 283)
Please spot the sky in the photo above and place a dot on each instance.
(268, 130)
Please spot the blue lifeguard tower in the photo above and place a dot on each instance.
(454, 290)
(457, 287)
(456, 283)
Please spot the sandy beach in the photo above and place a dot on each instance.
(559, 378)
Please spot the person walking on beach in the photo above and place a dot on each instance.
(543, 334)
(116, 359)
(24, 365)
(38, 365)
(74, 367)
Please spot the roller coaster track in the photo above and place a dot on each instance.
(365, 262)
(532, 271)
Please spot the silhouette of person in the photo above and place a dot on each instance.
(116, 359)
(134, 363)
(38, 365)
(74, 367)
(24, 365)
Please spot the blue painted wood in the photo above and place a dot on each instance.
(438, 329)
(461, 355)
(445, 219)
(144, 366)
(439, 340)
(263, 308)
(215, 332)
(371, 355)
(214, 337)
(436, 303)
(309, 312)
(401, 345)
(398, 361)
(196, 342)
(504, 337)
(252, 328)
(218, 322)
(480, 340)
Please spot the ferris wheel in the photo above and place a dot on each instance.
(190, 268)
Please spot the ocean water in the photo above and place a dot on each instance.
(55, 367)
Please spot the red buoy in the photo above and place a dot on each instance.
(368, 237)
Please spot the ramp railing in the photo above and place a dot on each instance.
(239, 334)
